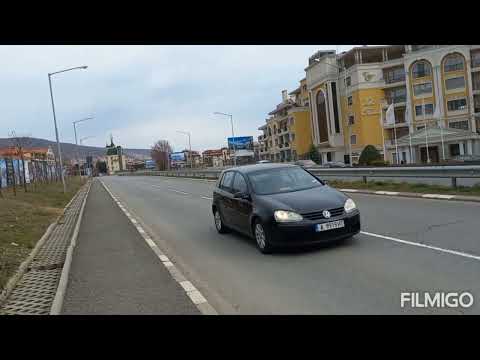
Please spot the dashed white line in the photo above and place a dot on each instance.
(448, 251)
(178, 191)
(349, 190)
(206, 198)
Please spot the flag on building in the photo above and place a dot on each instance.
(390, 115)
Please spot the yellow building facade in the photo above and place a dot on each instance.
(287, 133)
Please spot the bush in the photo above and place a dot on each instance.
(369, 155)
(313, 154)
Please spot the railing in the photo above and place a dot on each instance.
(452, 172)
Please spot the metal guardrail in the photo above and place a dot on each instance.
(431, 172)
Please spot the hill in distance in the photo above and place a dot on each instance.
(69, 151)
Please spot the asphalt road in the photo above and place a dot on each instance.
(114, 271)
(365, 275)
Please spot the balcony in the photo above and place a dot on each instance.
(398, 100)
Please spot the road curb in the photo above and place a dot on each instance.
(62, 284)
(195, 296)
(13, 281)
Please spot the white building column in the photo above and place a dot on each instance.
(469, 147)
(460, 144)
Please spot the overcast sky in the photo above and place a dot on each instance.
(144, 93)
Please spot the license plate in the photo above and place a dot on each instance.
(330, 225)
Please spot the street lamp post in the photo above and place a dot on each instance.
(75, 131)
(81, 143)
(189, 145)
(233, 136)
(59, 150)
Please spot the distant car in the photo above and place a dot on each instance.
(305, 163)
(282, 205)
(466, 158)
(334, 164)
(264, 162)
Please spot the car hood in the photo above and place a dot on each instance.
(304, 201)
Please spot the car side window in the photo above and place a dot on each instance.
(226, 183)
(239, 184)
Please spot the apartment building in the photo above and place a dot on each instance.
(435, 91)
(287, 132)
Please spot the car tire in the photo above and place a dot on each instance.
(219, 224)
(262, 237)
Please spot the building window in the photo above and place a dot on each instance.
(453, 62)
(351, 119)
(348, 81)
(421, 69)
(463, 125)
(329, 156)
(428, 109)
(397, 95)
(457, 104)
(423, 89)
(394, 75)
(335, 107)
(475, 58)
(455, 83)
(454, 149)
(476, 80)
(353, 139)
(476, 103)
(350, 100)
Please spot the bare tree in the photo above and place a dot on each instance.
(160, 152)
(20, 144)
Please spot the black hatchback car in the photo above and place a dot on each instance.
(281, 205)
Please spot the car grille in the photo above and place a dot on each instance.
(317, 215)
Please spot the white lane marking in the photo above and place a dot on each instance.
(196, 297)
(448, 251)
(349, 190)
(438, 196)
(163, 258)
(177, 191)
(386, 192)
(187, 286)
(206, 197)
(150, 242)
(133, 220)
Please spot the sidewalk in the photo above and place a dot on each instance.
(114, 271)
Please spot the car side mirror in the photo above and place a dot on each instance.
(242, 195)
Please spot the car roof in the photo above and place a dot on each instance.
(265, 166)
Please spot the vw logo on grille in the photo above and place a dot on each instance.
(326, 214)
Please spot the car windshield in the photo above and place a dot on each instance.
(282, 180)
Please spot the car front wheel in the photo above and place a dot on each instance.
(219, 225)
(262, 237)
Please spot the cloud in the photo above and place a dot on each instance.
(145, 93)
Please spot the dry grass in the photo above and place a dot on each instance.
(25, 217)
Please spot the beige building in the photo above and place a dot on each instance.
(116, 161)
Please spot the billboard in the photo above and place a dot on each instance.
(150, 164)
(177, 156)
(3, 173)
(240, 143)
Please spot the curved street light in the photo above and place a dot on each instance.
(233, 135)
(55, 120)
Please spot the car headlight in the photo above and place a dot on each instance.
(287, 216)
(349, 205)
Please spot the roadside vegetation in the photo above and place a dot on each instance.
(25, 217)
(405, 187)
